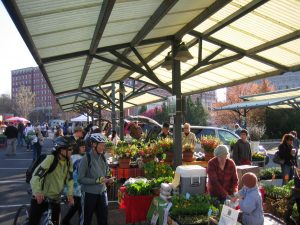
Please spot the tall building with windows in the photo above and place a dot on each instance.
(33, 78)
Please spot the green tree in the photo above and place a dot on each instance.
(281, 121)
(195, 112)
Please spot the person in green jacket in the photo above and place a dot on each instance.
(93, 177)
(50, 185)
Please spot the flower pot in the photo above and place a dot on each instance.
(169, 156)
(124, 163)
(208, 156)
(188, 156)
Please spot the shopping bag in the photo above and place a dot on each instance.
(277, 159)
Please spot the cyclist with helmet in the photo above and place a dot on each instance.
(93, 177)
(50, 185)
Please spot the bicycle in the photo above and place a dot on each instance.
(22, 215)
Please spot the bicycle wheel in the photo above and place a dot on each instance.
(22, 216)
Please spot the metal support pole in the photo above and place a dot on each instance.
(176, 90)
(99, 117)
(121, 111)
(113, 108)
(92, 119)
(183, 109)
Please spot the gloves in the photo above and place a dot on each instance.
(100, 180)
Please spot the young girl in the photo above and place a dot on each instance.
(78, 153)
(250, 201)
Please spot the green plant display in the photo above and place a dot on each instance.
(270, 173)
(155, 170)
(209, 143)
(157, 182)
(194, 206)
(108, 144)
(139, 188)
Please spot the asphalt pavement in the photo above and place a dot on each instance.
(13, 188)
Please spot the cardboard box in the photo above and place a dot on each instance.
(241, 170)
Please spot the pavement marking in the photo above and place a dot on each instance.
(13, 168)
(7, 214)
(12, 206)
(18, 159)
(11, 181)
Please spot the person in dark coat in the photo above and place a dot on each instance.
(241, 150)
(11, 132)
(287, 152)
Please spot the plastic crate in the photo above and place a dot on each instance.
(272, 220)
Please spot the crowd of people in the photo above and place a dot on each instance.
(79, 160)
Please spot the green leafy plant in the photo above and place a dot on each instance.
(232, 142)
(188, 148)
(270, 173)
(155, 170)
(157, 182)
(108, 144)
(139, 188)
(165, 144)
(126, 150)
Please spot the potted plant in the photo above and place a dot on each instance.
(188, 153)
(125, 152)
(255, 133)
(208, 144)
(258, 159)
(165, 146)
(147, 152)
(3, 140)
(108, 146)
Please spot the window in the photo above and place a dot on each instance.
(226, 137)
(205, 132)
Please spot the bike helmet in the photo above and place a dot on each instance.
(98, 138)
(63, 142)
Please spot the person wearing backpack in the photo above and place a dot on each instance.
(50, 184)
(93, 177)
(76, 157)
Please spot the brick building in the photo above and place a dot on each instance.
(33, 78)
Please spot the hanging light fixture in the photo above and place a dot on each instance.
(183, 53)
(167, 64)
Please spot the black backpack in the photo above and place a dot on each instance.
(36, 163)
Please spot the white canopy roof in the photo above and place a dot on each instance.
(81, 44)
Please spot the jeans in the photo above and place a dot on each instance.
(20, 139)
(37, 149)
(91, 203)
(11, 146)
(287, 173)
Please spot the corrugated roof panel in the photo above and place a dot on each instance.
(64, 49)
(65, 64)
(178, 16)
(286, 13)
(123, 11)
(221, 14)
(287, 54)
(144, 98)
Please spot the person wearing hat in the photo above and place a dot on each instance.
(250, 201)
(222, 174)
(93, 177)
(78, 133)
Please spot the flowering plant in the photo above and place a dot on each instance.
(125, 150)
(188, 148)
(209, 143)
(165, 144)
(148, 151)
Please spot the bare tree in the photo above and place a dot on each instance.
(24, 103)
